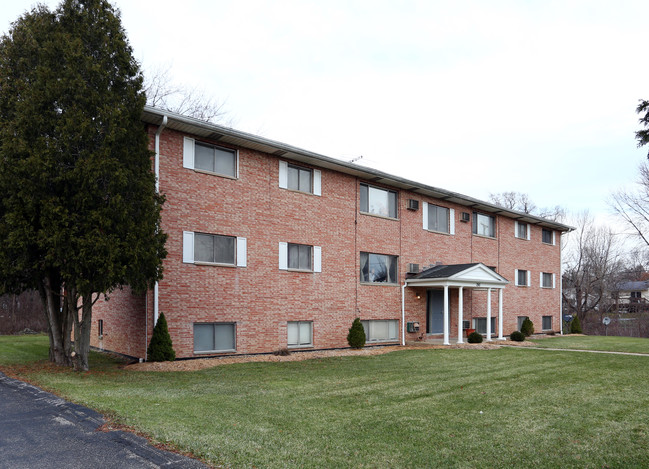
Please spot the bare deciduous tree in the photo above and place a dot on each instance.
(592, 265)
(633, 205)
(522, 203)
(163, 93)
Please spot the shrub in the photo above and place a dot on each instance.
(474, 338)
(575, 325)
(282, 352)
(527, 327)
(356, 336)
(517, 336)
(160, 348)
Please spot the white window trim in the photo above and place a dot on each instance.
(189, 145)
(316, 182)
(451, 219)
(240, 249)
(528, 276)
(541, 281)
(551, 321)
(316, 252)
(371, 322)
(527, 230)
(553, 238)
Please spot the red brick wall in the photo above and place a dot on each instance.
(260, 298)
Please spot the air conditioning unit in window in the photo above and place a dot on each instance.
(413, 268)
(413, 204)
(466, 216)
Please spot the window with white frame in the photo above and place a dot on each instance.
(378, 268)
(480, 325)
(547, 236)
(484, 225)
(522, 278)
(440, 219)
(382, 330)
(214, 337)
(377, 201)
(636, 294)
(546, 323)
(300, 257)
(215, 249)
(547, 280)
(521, 230)
(299, 178)
(211, 158)
(300, 333)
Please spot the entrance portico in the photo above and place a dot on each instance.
(474, 276)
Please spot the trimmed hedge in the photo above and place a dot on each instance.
(517, 336)
(160, 348)
(356, 337)
(575, 325)
(527, 327)
(474, 338)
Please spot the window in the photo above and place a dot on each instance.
(484, 225)
(522, 278)
(520, 320)
(466, 325)
(378, 201)
(206, 157)
(100, 328)
(547, 280)
(521, 230)
(381, 330)
(299, 178)
(439, 219)
(300, 333)
(214, 249)
(480, 325)
(546, 323)
(636, 294)
(378, 268)
(547, 236)
(215, 337)
(300, 257)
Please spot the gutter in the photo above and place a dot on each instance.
(403, 312)
(156, 168)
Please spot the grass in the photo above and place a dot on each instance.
(412, 408)
(607, 344)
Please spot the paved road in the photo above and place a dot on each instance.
(39, 429)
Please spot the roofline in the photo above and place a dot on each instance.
(153, 115)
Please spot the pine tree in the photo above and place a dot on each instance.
(527, 328)
(160, 348)
(78, 209)
(575, 325)
(356, 336)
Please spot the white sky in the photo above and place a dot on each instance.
(471, 96)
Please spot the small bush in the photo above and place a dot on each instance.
(356, 336)
(160, 348)
(527, 327)
(575, 325)
(517, 336)
(283, 352)
(474, 338)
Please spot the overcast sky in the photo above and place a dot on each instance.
(472, 96)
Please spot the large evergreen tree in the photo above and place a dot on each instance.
(79, 214)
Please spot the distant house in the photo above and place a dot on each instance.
(272, 246)
(630, 296)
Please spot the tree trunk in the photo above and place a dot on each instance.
(82, 334)
(58, 320)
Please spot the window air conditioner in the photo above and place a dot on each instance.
(466, 216)
(413, 268)
(413, 204)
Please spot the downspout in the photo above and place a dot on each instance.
(156, 168)
(561, 282)
(403, 312)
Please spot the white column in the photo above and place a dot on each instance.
(489, 315)
(500, 314)
(446, 316)
(460, 313)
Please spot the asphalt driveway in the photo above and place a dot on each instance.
(39, 429)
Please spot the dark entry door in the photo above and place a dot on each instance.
(435, 316)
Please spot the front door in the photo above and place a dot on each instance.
(435, 316)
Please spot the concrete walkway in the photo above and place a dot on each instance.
(39, 429)
(576, 350)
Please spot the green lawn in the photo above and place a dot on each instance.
(607, 344)
(510, 407)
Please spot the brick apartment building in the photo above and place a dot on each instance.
(271, 246)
